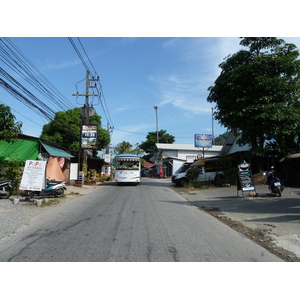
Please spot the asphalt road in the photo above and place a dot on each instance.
(145, 223)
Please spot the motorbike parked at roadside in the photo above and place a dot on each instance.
(274, 184)
(5, 189)
(53, 188)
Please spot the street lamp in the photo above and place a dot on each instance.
(157, 139)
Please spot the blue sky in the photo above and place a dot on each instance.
(136, 74)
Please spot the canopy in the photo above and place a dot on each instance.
(55, 151)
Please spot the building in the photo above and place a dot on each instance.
(172, 156)
(31, 148)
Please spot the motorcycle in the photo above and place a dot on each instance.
(5, 189)
(53, 188)
(274, 183)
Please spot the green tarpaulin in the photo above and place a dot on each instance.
(24, 149)
(28, 149)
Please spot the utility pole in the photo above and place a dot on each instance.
(86, 110)
(212, 125)
(157, 139)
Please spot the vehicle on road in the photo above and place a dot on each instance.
(127, 169)
(211, 170)
(274, 183)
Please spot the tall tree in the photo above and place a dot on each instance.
(126, 147)
(221, 139)
(123, 147)
(64, 130)
(9, 128)
(148, 146)
(257, 93)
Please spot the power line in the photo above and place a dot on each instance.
(86, 55)
(23, 115)
(22, 66)
(131, 131)
(10, 89)
(78, 53)
(100, 89)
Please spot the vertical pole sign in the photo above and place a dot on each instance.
(203, 141)
(89, 136)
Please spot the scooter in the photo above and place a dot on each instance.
(5, 189)
(274, 183)
(53, 188)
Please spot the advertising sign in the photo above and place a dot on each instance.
(89, 136)
(245, 177)
(34, 177)
(203, 140)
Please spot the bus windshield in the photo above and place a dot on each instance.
(127, 168)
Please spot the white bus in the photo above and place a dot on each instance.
(127, 168)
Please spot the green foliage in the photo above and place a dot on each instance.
(9, 129)
(257, 93)
(126, 147)
(221, 139)
(197, 185)
(192, 174)
(85, 169)
(64, 130)
(104, 178)
(12, 169)
(230, 176)
(148, 146)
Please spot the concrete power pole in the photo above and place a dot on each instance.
(86, 112)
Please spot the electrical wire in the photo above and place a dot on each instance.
(99, 89)
(78, 53)
(12, 57)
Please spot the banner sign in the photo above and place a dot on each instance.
(203, 140)
(34, 175)
(89, 136)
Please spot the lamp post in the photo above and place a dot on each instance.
(157, 139)
(212, 125)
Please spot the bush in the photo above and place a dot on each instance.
(12, 169)
(192, 174)
(231, 176)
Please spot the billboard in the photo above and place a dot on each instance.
(203, 140)
(89, 136)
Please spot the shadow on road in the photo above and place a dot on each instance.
(283, 209)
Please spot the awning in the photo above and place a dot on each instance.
(55, 151)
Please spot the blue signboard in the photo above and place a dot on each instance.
(203, 140)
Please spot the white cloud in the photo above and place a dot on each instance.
(62, 65)
(186, 88)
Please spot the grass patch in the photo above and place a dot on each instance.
(73, 194)
(50, 202)
(197, 186)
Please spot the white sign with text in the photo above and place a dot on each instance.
(33, 178)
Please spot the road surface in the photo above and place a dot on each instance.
(145, 223)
